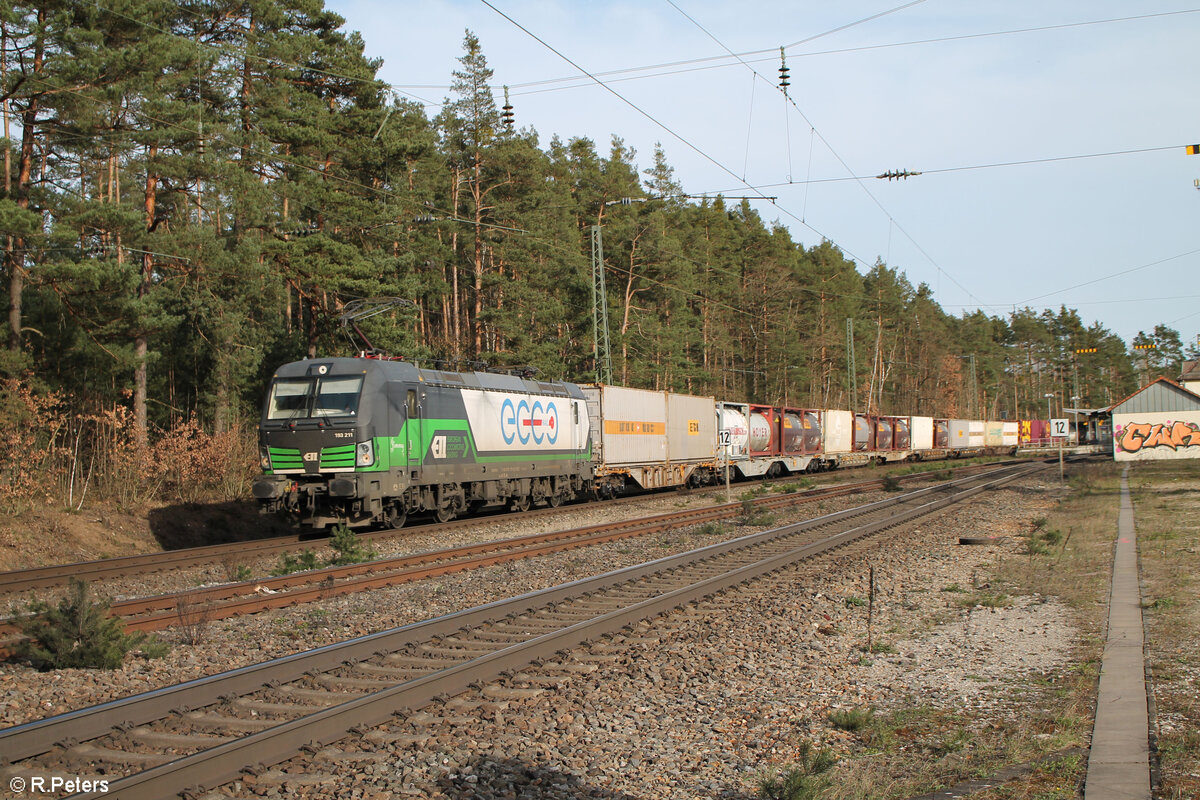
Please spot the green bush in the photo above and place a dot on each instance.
(288, 563)
(79, 633)
(803, 781)
(347, 548)
(851, 719)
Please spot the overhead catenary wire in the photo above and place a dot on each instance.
(765, 55)
(655, 120)
(790, 100)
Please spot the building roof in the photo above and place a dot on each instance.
(1191, 371)
(1160, 394)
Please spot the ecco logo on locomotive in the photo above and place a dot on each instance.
(522, 421)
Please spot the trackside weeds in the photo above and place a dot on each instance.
(1166, 508)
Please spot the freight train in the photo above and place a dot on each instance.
(369, 441)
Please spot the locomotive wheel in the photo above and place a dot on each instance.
(397, 518)
(519, 503)
(445, 514)
(554, 500)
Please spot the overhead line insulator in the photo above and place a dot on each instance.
(783, 72)
(506, 115)
(897, 174)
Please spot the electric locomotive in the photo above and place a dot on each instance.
(368, 441)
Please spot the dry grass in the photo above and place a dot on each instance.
(1166, 497)
(907, 752)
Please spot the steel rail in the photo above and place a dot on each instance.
(163, 611)
(29, 739)
(191, 775)
(22, 580)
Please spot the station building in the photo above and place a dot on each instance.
(1159, 421)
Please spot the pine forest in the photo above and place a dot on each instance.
(195, 193)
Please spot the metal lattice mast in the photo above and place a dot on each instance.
(974, 391)
(851, 377)
(600, 348)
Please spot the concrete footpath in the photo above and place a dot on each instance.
(1119, 763)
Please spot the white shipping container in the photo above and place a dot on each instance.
(960, 435)
(975, 433)
(1010, 434)
(691, 428)
(839, 431)
(922, 433)
(629, 426)
(993, 433)
(645, 428)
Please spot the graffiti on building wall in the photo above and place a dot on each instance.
(1137, 436)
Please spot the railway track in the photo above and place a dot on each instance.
(39, 578)
(201, 734)
(250, 597)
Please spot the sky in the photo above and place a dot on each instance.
(1051, 137)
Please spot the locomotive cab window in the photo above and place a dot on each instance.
(337, 397)
(304, 397)
(412, 403)
(289, 399)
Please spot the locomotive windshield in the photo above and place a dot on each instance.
(297, 398)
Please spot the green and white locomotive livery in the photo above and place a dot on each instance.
(366, 441)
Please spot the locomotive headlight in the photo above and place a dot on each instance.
(365, 454)
(264, 457)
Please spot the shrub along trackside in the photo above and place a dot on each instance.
(79, 632)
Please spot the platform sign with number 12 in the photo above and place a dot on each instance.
(1060, 428)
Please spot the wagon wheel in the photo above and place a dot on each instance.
(519, 503)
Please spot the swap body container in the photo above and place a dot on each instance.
(993, 433)
(960, 434)
(922, 433)
(655, 439)
(1033, 432)
(839, 431)
(1009, 437)
(976, 433)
